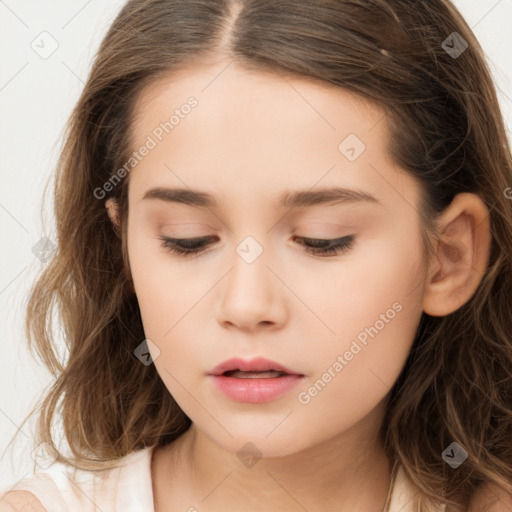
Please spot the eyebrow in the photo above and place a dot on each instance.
(288, 199)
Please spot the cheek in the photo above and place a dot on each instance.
(356, 371)
(167, 295)
(372, 306)
(351, 294)
(158, 291)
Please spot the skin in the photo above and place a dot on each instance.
(252, 136)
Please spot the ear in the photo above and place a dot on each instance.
(462, 254)
(112, 209)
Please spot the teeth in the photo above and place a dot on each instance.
(254, 375)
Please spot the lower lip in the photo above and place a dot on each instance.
(255, 390)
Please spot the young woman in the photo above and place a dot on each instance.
(283, 266)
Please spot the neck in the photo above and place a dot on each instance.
(346, 472)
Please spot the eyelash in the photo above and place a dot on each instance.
(189, 246)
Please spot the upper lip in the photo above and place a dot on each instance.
(256, 364)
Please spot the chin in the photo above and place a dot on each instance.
(257, 442)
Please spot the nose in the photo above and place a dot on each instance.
(253, 293)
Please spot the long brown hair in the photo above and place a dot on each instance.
(447, 131)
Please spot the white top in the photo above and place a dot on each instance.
(128, 488)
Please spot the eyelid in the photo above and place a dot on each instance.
(188, 240)
(323, 247)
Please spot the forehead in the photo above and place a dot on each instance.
(265, 100)
(259, 131)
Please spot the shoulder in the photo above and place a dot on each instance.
(490, 498)
(20, 501)
(63, 488)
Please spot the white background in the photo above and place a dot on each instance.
(36, 97)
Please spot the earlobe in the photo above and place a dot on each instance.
(461, 255)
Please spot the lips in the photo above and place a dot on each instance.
(239, 374)
(242, 368)
(256, 380)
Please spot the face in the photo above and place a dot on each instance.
(343, 320)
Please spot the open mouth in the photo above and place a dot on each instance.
(258, 382)
(267, 374)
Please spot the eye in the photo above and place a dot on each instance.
(185, 246)
(317, 246)
(328, 247)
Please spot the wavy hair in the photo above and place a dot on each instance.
(447, 131)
